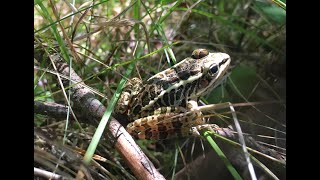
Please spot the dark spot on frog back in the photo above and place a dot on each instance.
(137, 109)
(182, 71)
(184, 75)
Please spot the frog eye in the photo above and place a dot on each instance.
(199, 53)
(213, 69)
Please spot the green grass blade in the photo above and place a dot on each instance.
(173, 8)
(263, 167)
(214, 145)
(280, 4)
(55, 32)
(164, 17)
(103, 123)
(175, 162)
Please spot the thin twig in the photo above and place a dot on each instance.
(46, 174)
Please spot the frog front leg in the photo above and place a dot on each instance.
(131, 89)
(199, 123)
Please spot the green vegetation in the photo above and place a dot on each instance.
(108, 42)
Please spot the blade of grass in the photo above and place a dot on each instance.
(159, 29)
(228, 164)
(249, 149)
(54, 30)
(242, 142)
(103, 123)
(175, 162)
(264, 168)
(169, 12)
(280, 4)
(241, 139)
